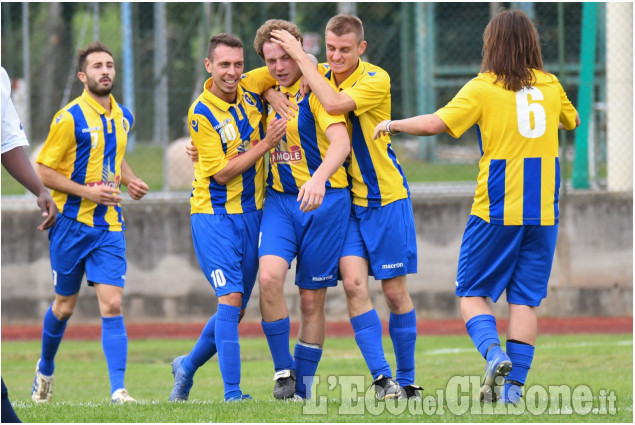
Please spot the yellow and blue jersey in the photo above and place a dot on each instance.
(87, 145)
(519, 171)
(221, 131)
(375, 175)
(303, 148)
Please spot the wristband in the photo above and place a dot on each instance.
(388, 128)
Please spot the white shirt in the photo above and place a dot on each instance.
(12, 130)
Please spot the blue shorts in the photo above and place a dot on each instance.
(76, 248)
(385, 236)
(226, 246)
(494, 258)
(315, 238)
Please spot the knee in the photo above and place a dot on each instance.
(111, 307)
(62, 310)
(311, 304)
(270, 284)
(397, 297)
(355, 287)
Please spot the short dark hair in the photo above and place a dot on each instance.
(264, 33)
(225, 39)
(95, 46)
(345, 24)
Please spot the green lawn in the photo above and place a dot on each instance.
(571, 376)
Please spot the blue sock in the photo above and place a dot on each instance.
(8, 414)
(114, 341)
(226, 335)
(403, 333)
(277, 334)
(306, 364)
(203, 350)
(52, 333)
(367, 327)
(521, 356)
(482, 330)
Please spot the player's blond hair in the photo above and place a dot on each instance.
(264, 33)
(511, 49)
(345, 24)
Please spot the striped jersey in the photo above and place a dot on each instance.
(221, 131)
(87, 145)
(519, 172)
(375, 175)
(302, 149)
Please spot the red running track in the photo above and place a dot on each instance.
(567, 325)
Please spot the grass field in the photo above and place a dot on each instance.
(589, 371)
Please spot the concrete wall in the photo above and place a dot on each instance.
(592, 272)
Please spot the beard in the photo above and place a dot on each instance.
(95, 87)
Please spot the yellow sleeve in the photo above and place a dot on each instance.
(60, 138)
(568, 111)
(323, 118)
(462, 112)
(211, 157)
(258, 80)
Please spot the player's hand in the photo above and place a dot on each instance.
(380, 130)
(311, 194)
(191, 151)
(49, 210)
(137, 189)
(276, 130)
(288, 42)
(103, 195)
(280, 103)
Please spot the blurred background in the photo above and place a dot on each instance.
(429, 49)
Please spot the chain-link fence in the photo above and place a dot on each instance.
(429, 49)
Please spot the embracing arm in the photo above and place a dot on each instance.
(312, 192)
(335, 103)
(421, 125)
(238, 164)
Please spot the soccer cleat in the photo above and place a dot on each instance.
(121, 396)
(495, 372)
(241, 397)
(42, 390)
(182, 383)
(411, 391)
(512, 392)
(386, 387)
(284, 387)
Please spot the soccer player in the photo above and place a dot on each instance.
(82, 161)
(226, 127)
(510, 237)
(305, 217)
(381, 233)
(16, 162)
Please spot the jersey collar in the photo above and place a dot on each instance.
(115, 110)
(352, 79)
(291, 91)
(217, 101)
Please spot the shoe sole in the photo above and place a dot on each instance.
(487, 391)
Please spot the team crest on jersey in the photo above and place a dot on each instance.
(194, 124)
(126, 125)
(249, 99)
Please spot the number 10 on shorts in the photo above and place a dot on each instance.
(218, 278)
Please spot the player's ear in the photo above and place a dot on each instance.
(208, 65)
(362, 48)
(82, 76)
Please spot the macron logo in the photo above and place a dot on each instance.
(322, 278)
(392, 266)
